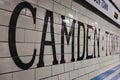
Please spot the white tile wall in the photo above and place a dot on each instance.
(70, 13)
(25, 22)
(57, 69)
(64, 76)
(43, 3)
(25, 49)
(4, 17)
(39, 24)
(9, 4)
(66, 3)
(68, 57)
(59, 8)
(57, 18)
(33, 36)
(4, 50)
(40, 13)
(32, 1)
(57, 29)
(27, 59)
(48, 59)
(43, 72)
(77, 65)
(6, 77)
(52, 78)
(58, 1)
(80, 8)
(57, 39)
(48, 50)
(20, 35)
(24, 75)
(85, 77)
(92, 74)
(7, 65)
(73, 74)
(28, 37)
(69, 67)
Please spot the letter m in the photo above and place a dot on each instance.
(64, 31)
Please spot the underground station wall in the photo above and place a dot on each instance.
(55, 40)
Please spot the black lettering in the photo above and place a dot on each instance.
(88, 37)
(107, 33)
(44, 43)
(96, 38)
(98, 43)
(64, 30)
(12, 34)
(110, 43)
(80, 24)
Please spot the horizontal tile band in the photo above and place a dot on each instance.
(116, 77)
(107, 73)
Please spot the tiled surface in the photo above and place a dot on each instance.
(64, 76)
(29, 35)
(46, 72)
(24, 75)
(57, 69)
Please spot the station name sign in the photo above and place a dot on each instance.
(111, 39)
(100, 4)
(104, 6)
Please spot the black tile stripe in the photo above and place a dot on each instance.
(114, 5)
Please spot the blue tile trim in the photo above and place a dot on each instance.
(107, 73)
(116, 77)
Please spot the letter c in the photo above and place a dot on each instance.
(12, 34)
